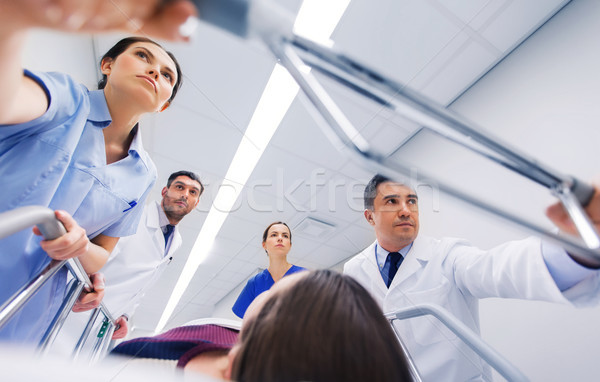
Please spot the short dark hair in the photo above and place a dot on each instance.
(271, 225)
(122, 46)
(189, 174)
(324, 328)
(371, 189)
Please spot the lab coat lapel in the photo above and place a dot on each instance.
(370, 267)
(153, 224)
(414, 261)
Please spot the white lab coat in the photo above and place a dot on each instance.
(134, 265)
(454, 275)
(137, 262)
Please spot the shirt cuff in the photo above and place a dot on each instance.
(565, 271)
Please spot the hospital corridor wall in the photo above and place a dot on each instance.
(543, 99)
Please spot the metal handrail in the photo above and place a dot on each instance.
(464, 333)
(44, 218)
(572, 194)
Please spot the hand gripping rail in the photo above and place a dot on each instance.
(266, 21)
(486, 352)
(44, 218)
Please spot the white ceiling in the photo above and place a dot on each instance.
(437, 47)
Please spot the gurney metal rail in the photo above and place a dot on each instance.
(267, 22)
(482, 349)
(16, 220)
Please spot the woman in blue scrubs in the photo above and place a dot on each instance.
(277, 242)
(76, 151)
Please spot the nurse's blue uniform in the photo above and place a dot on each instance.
(255, 286)
(59, 161)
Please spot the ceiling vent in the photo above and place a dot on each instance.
(315, 228)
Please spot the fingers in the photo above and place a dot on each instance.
(168, 21)
(127, 15)
(91, 299)
(72, 244)
(121, 332)
(562, 220)
(88, 300)
(97, 280)
(161, 18)
(557, 214)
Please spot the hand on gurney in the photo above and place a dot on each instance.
(561, 219)
(121, 328)
(157, 18)
(90, 299)
(72, 244)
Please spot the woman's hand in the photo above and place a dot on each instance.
(72, 244)
(157, 18)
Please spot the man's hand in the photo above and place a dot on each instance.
(72, 244)
(91, 299)
(561, 218)
(122, 328)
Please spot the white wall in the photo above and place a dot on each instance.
(543, 99)
(48, 50)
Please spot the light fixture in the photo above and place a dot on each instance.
(314, 228)
(316, 20)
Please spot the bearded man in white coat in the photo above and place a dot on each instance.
(138, 261)
(402, 269)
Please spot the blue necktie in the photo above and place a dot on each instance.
(395, 261)
(167, 232)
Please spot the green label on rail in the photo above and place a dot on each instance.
(102, 330)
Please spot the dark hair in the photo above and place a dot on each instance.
(122, 46)
(371, 190)
(325, 327)
(271, 225)
(189, 174)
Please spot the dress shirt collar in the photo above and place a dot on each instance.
(381, 254)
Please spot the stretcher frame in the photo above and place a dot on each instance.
(295, 53)
(266, 22)
(463, 332)
(21, 218)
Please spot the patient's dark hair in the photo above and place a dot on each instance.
(326, 327)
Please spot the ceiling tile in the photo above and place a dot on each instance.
(457, 74)
(518, 19)
(418, 32)
(465, 10)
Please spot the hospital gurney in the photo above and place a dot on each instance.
(44, 218)
(264, 21)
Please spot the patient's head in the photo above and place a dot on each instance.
(317, 326)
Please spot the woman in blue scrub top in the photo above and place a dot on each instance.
(277, 242)
(78, 152)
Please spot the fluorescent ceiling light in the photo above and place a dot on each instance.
(316, 20)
